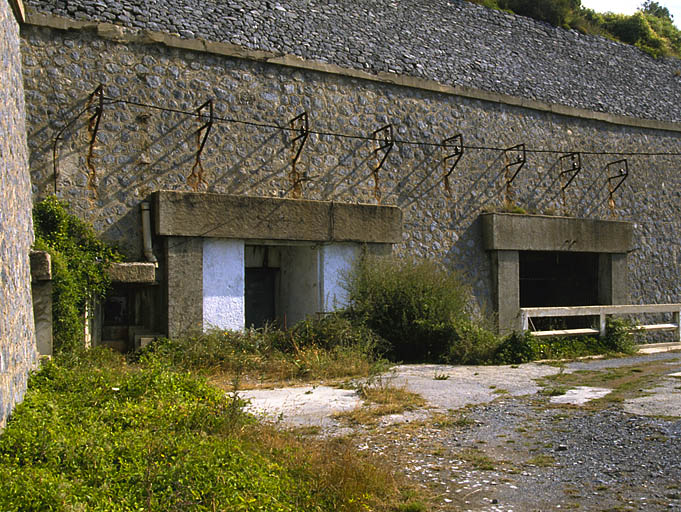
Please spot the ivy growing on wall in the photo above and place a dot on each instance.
(79, 261)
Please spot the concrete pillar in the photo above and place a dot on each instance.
(506, 285)
(184, 284)
(224, 304)
(612, 278)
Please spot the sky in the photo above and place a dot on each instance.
(630, 7)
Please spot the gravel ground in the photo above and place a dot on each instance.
(480, 447)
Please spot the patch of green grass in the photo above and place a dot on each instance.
(478, 459)
(441, 376)
(97, 434)
(542, 461)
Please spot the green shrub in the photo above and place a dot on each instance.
(79, 260)
(95, 434)
(474, 344)
(618, 336)
(516, 348)
(413, 304)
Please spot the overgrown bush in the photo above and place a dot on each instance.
(474, 344)
(417, 306)
(95, 434)
(329, 346)
(79, 260)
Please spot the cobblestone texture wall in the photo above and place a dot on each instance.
(17, 337)
(453, 42)
(139, 150)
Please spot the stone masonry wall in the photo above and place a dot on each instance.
(17, 336)
(140, 149)
(452, 42)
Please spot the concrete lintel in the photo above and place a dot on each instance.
(41, 266)
(265, 218)
(513, 232)
(126, 35)
(136, 272)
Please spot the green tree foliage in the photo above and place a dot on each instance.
(651, 28)
(79, 259)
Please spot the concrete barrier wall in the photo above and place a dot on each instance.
(17, 332)
(140, 149)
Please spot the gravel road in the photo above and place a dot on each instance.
(490, 441)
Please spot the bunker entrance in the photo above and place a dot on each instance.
(281, 284)
(549, 278)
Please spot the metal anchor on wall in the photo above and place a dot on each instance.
(570, 165)
(515, 158)
(454, 143)
(195, 178)
(383, 142)
(615, 180)
(299, 126)
(93, 128)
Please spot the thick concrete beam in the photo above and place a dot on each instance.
(264, 218)
(513, 232)
(137, 272)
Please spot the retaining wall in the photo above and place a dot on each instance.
(451, 42)
(17, 332)
(140, 149)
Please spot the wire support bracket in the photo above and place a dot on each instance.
(93, 129)
(300, 126)
(515, 156)
(455, 144)
(570, 167)
(621, 172)
(195, 178)
(383, 141)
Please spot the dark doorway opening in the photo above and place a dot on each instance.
(558, 279)
(260, 295)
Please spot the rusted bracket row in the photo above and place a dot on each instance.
(195, 178)
(621, 173)
(515, 157)
(383, 141)
(570, 167)
(301, 127)
(93, 128)
(456, 145)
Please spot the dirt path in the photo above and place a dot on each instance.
(513, 438)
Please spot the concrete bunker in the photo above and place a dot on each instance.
(236, 261)
(542, 261)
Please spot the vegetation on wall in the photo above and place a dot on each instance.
(651, 28)
(79, 261)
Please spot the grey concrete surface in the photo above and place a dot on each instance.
(447, 388)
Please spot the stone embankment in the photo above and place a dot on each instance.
(451, 42)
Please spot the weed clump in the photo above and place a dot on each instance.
(417, 306)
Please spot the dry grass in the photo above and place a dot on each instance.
(381, 399)
(367, 480)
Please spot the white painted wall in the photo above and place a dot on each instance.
(223, 284)
(336, 261)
